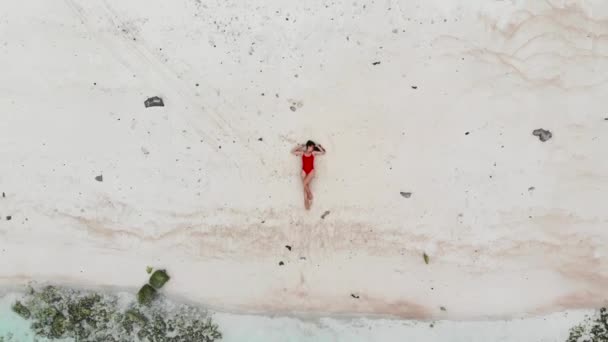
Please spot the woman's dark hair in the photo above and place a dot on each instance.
(312, 143)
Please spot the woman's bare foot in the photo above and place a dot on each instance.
(307, 204)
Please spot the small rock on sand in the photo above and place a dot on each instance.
(325, 214)
(281, 263)
(288, 247)
(442, 308)
(154, 101)
(99, 178)
(426, 258)
(375, 63)
(406, 194)
(542, 134)
(354, 296)
(8, 218)
(293, 108)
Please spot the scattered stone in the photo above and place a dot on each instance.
(426, 258)
(542, 134)
(302, 258)
(531, 188)
(196, 84)
(432, 325)
(288, 247)
(3, 195)
(325, 214)
(406, 194)
(149, 269)
(281, 263)
(467, 133)
(442, 308)
(9, 217)
(99, 178)
(154, 101)
(354, 296)
(159, 278)
(260, 139)
(21, 310)
(293, 108)
(414, 87)
(146, 295)
(375, 63)
(145, 151)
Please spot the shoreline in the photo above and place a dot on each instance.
(238, 327)
(304, 316)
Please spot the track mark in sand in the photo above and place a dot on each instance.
(138, 58)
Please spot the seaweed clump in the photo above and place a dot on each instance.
(593, 329)
(146, 295)
(60, 313)
(159, 278)
(21, 310)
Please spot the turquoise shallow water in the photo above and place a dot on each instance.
(256, 328)
(13, 325)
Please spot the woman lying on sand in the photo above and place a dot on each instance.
(308, 153)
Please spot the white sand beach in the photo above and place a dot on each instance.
(206, 188)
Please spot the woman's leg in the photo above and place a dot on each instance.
(306, 200)
(307, 181)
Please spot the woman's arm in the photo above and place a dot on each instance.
(297, 150)
(320, 153)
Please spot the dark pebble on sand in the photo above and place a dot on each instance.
(154, 101)
(442, 308)
(3, 195)
(288, 247)
(354, 296)
(406, 194)
(99, 178)
(260, 139)
(8, 218)
(467, 133)
(542, 134)
(414, 87)
(281, 263)
(325, 214)
(293, 108)
(375, 63)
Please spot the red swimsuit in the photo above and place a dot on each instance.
(308, 163)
